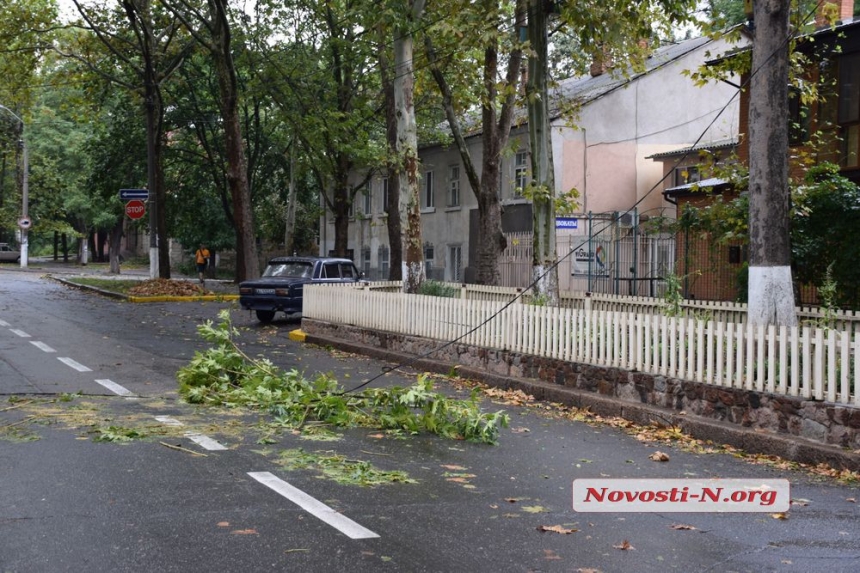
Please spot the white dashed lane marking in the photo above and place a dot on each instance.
(115, 388)
(313, 506)
(168, 421)
(20, 333)
(4, 323)
(205, 442)
(42, 346)
(73, 364)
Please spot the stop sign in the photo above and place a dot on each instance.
(135, 209)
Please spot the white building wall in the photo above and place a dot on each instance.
(603, 157)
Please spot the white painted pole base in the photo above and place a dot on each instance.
(771, 296)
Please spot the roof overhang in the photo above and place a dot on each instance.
(712, 185)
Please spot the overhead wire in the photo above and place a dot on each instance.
(421, 356)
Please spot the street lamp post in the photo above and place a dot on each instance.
(24, 222)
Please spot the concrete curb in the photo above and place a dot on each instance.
(750, 441)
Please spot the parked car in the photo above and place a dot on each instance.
(281, 287)
(8, 254)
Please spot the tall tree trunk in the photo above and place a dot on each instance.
(771, 296)
(247, 265)
(115, 247)
(544, 256)
(392, 207)
(496, 129)
(407, 151)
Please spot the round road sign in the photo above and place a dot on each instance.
(135, 209)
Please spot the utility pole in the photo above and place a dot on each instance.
(771, 294)
(544, 256)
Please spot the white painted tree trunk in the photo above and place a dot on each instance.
(771, 296)
(544, 256)
(407, 152)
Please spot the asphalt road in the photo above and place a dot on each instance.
(167, 503)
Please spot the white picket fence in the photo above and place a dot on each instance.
(805, 361)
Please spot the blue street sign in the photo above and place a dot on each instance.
(566, 223)
(129, 194)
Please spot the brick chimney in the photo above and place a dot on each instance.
(600, 64)
(843, 10)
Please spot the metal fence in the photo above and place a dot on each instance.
(607, 253)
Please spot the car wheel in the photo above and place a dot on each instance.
(265, 315)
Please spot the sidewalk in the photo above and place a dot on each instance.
(46, 265)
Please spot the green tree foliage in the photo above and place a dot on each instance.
(224, 375)
(826, 219)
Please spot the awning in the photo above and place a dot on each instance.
(711, 185)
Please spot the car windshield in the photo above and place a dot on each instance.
(296, 269)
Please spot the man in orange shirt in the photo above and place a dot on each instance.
(202, 256)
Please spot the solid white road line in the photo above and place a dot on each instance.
(76, 365)
(42, 346)
(20, 333)
(205, 442)
(168, 421)
(115, 388)
(316, 508)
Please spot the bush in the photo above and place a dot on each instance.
(436, 288)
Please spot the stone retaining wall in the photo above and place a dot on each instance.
(822, 422)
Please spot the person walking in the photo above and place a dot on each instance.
(202, 257)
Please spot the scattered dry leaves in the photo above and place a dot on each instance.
(659, 457)
(557, 529)
(244, 532)
(782, 516)
(167, 287)
(682, 527)
(624, 546)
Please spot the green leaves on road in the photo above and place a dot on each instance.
(224, 375)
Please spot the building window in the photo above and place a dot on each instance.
(365, 261)
(521, 168)
(849, 109)
(454, 186)
(383, 262)
(429, 200)
(384, 195)
(685, 175)
(351, 212)
(455, 263)
(429, 257)
(367, 192)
